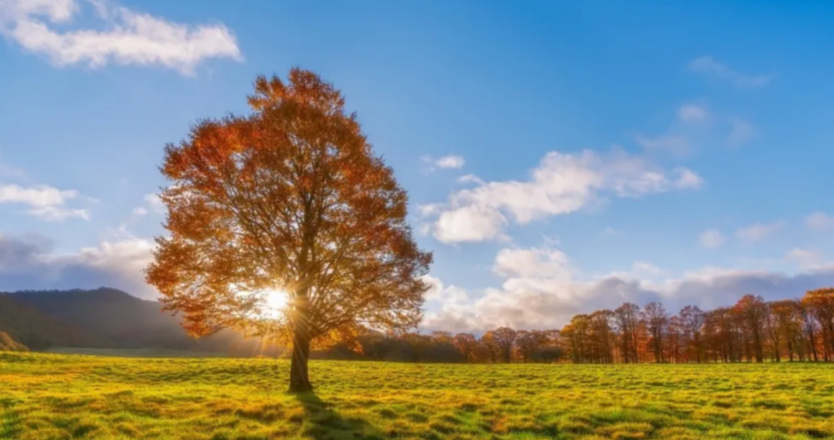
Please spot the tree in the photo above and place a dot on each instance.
(505, 337)
(467, 345)
(528, 343)
(290, 198)
(692, 321)
(627, 319)
(656, 318)
(752, 310)
(821, 304)
(491, 347)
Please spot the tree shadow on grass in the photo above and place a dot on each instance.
(325, 423)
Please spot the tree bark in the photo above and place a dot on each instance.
(299, 377)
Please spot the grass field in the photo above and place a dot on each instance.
(49, 396)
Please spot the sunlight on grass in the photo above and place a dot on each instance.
(62, 397)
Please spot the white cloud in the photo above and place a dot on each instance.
(127, 37)
(31, 263)
(45, 202)
(451, 161)
(439, 292)
(39, 196)
(758, 231)
(140, 211)
(609, 231)
(819, 220)
(711, 239)
(561, 184)
(691, 113)
(709, 66)
(469, 223)
(540, 290)
(741, 132)
(532, 263)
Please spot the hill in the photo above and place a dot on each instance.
(106, 318)
(119, 319)
(32, 328)
(119, 398)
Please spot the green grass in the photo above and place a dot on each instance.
(48, 396)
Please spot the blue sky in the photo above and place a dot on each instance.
(560, 156)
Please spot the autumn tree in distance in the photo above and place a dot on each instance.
(289, 200)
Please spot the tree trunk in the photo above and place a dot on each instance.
(299, 378)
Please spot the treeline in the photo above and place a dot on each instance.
(752, 330)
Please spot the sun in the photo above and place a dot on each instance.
(274, 302)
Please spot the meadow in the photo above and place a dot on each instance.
(54, 396)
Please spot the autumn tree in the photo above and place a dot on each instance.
(527, 343)
(490, 347)
(627, 319)
(289, 198)
(692, 323)
(821, 304)
(655, 317)
(752, 310)
(505, 338)
(467, 345)
(601, 337)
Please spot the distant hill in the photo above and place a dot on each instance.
(106, 318)
(30, 327)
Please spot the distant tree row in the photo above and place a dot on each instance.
(751, 330)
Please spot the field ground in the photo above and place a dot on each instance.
(50, 396)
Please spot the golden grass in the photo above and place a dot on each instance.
(44, 396)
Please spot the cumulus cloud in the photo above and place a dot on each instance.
(562, 183)
(30, 262)
(819, 220)
(758, 231)
(714, 69)
(126, 37)
(542, 290)
(45, 202)
(711, 239)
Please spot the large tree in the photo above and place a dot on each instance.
(284, 223)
